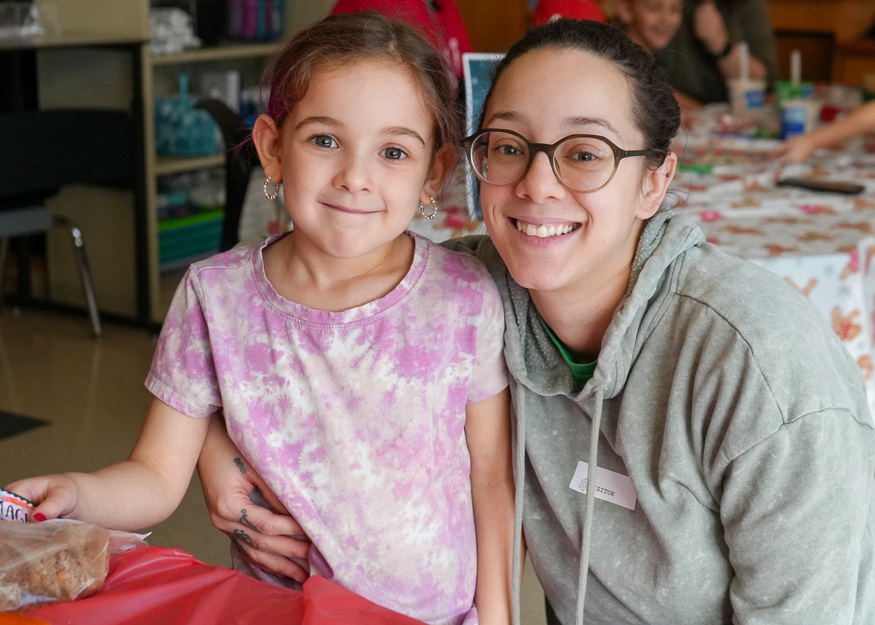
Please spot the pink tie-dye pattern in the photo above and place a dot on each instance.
(355, 419)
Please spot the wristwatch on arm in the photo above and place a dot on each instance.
(725, 51)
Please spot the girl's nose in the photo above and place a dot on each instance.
(353, 175)
(540, 182)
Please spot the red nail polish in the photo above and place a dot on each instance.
(39, 517)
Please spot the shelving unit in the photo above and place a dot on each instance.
(218, 53)
(99, 56)
(165, 165)
(164, 70)
(121, 227)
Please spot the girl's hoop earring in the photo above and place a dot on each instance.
(434, 209)
(276, 191)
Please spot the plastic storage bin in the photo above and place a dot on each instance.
(181, 129)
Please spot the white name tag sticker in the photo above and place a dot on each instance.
(614, 487)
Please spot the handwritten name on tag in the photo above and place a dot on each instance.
(610, 486)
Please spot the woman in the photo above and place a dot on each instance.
(704, 53)
(735, 449)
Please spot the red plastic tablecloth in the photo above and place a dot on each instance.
(156, 585)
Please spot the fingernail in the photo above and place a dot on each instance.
(39, 517)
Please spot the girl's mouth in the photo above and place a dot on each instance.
(543, 231)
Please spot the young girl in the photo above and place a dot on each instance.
(359, 367)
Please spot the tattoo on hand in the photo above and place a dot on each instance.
(243, 536)
(246, 521)
(239, 464)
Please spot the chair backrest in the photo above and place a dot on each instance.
(40, 151)
(240, 158)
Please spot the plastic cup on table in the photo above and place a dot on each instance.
(746, 95)
(798, 117)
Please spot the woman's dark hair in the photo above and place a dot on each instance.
(353, 37)
(655, 110)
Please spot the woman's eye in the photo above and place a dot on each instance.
(584, 156)
(508, 150)
(324, 141)
(394, 154)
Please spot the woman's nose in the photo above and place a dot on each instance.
(540, 182)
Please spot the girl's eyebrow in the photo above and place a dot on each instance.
(318, 119)
(401, 130)
(330, 121)
(569, 122)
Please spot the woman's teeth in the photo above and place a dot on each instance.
(543, 231)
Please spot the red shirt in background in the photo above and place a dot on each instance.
(442, 24)
(575, 9)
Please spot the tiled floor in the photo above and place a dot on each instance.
(91, 392)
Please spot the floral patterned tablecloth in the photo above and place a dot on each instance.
(821, 243)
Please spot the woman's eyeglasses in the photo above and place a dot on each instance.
(581, 162)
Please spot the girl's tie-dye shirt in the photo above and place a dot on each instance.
(355, 419)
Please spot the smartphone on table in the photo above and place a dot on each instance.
(824, 186)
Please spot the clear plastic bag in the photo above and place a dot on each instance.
(53, 561)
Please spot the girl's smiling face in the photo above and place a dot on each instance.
(355, 157)
(546, 95)
(651, 23)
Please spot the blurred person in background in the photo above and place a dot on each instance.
(548, 10)
(440, 21)
(652, 24)
(704, 53)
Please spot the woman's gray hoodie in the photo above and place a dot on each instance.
(742, 426)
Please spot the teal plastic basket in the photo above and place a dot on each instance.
(190, 237)
(181, 129)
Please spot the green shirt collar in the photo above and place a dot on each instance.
(581, 372)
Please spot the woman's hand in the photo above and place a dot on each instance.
(794, 150)
(55, 495)
(709, 26)
(233, 491)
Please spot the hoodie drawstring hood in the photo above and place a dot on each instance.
(519, 481)
(591, 478)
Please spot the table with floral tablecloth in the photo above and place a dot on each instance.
(821, 243)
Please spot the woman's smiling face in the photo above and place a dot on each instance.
(546, 95)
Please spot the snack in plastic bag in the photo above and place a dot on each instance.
(14, 507)
(43, 563)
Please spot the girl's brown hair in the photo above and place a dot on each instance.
(351, 37)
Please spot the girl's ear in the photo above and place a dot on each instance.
(656, 183)
(441, 165)
(267, 137)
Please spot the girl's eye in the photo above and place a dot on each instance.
(324, 141)
(394, 154)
